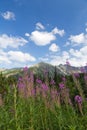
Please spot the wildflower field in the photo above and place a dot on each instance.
(43, 103)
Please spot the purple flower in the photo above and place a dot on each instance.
(67, 63)
(38, 81)
(45, 87)
(21, 85)
(52, 82)
(78, 99)
(76, 75)
(25, 69)
(61, 85)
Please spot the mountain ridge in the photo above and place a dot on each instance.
(43, 66)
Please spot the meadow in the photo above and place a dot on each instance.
(43, 103)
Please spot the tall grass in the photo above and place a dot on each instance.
(42, 105)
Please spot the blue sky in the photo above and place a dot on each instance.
(51, 31)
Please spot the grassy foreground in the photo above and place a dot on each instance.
(36, 104)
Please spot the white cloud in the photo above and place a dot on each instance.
(58, 31)
(42, 38)
(54, 48)
(74, 56)
(27, 34)
(15, 58)
(3, 57)
(58, 58)
(11, 41)
(20, 56)
(81, 53)
(75, 53)
(8, 15)
(78, 39)
(78, 57)
(39, 26)
(86, 29)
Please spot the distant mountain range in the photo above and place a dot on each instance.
(43, 67)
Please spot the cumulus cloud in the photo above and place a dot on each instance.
(76, 57)
(78, 39)
(3, 58)
(58, 31)
(8, 15)
(27, 34)
(59, 59)
(81, 53)
(42, 38)
(86, 29)
(39, 26)
(20, 56)
(11, 41)
(75, 53)
(54, 48)
(15, 58)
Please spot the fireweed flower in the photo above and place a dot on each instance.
(52, 82)
(76, 75)
(78, 99)
(61, 85)
(45, 87)
(68, 63)
(25, 69)
(38, 81)
(21, 85)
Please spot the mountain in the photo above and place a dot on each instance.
(66, 69)
(60, 69)
(43, 68)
